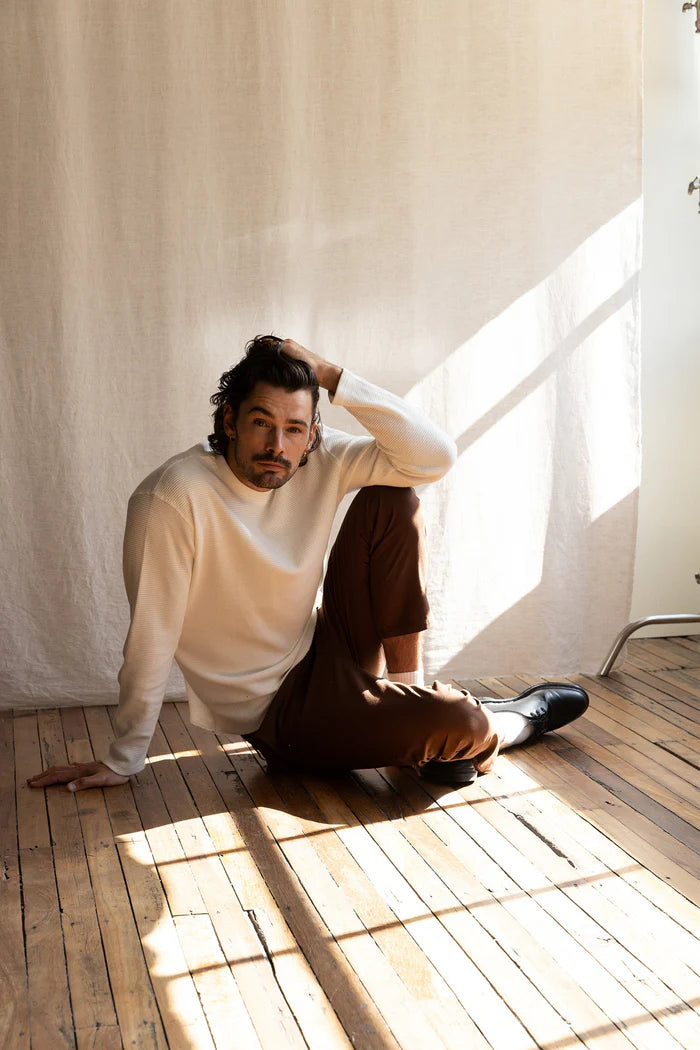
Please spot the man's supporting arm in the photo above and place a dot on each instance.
(158, 554)
(158, 559)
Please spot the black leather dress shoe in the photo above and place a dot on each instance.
(547, 707)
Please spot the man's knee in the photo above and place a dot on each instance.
(397, 503)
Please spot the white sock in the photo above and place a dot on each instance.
(406, 677)
(511, 727)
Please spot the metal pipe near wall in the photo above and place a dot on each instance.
(647, 621)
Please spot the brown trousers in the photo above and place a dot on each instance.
(332, 712)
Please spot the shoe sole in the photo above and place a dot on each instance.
(448, 776)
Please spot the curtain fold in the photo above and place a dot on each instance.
(440, 195)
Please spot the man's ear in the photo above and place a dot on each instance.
(312, 434)
(229, 421)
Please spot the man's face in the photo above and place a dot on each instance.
(270, 436)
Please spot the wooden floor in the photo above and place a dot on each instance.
(209, 904)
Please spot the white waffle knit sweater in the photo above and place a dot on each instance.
(223, 579)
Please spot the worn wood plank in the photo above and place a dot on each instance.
(32, 818)
(416, 971)
(675, 651)
(8, 806)
(267, 1007)
(50, 1018)
(638, 653)
(51, 1023)
(561, 927)
(103, 1038)
(308, 1001)
(228, 1019)
(615, 874)
(665, 987)
(662, 652)
(14, 995)
(604, 811)
(151, 816)
(643, 811)
(490, 896)
(179, 1004)
(687, 752)
(360, 958)
(350, 1000)
(691, 645)
(641, 814)
(412, 882)
(90, 992)
(650, 694)
(648, 742)
(134, 999)
(638, 786)
(561, 890)
(689, 681)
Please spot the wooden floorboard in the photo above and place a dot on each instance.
(211, 903)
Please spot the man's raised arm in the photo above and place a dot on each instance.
(406, 447)
(328, 375)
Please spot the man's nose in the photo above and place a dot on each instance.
(275, 437)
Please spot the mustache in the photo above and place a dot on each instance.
(269, 458)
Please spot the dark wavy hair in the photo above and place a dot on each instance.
(263, 362)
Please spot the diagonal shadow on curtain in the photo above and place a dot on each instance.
(485, 653)
(552, 362)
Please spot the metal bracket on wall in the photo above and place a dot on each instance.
(689, 7)
(694, 185)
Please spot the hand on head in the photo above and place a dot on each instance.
(327, 374)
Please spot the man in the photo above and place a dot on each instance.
(223, 555)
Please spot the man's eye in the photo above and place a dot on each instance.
(260, 422)
(295, 430)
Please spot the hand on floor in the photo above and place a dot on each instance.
(78, 776)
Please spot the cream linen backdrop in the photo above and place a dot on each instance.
(442, 195)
